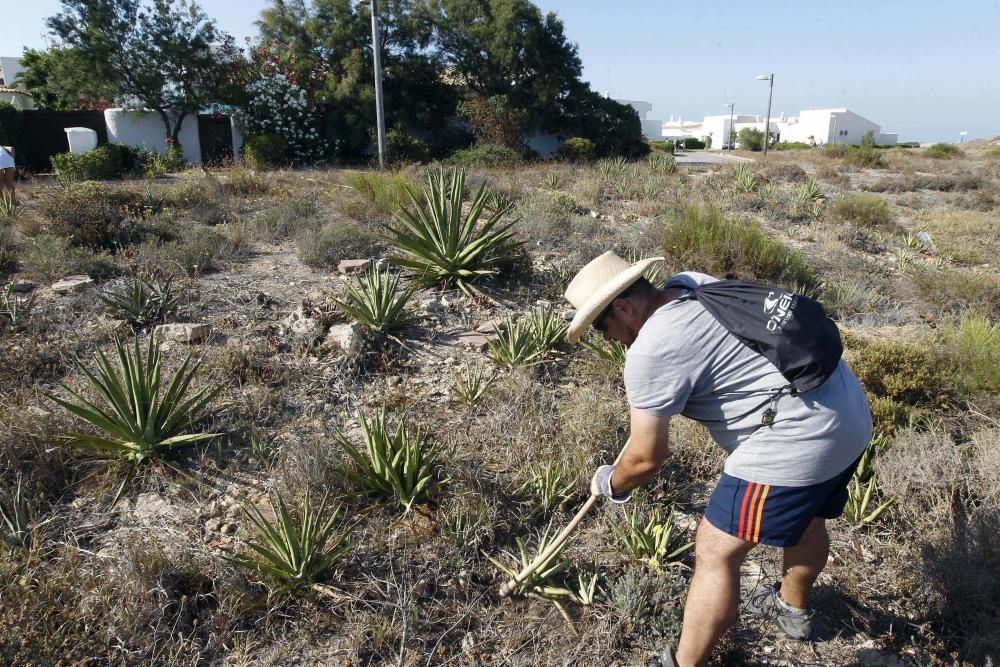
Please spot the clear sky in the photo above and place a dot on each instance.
(927, 69)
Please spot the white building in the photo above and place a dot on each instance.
(10, 67)
(651, 129)
(811, 126)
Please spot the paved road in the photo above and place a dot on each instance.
(697, 158)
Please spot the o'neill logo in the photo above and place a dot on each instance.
(779, 309)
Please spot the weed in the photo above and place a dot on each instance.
(552, 180)
(262, 448)
(970, 346)
(444, 245)
(399, 466)
(9, 209)
(378, 302)
(138, 423)
(611, 352)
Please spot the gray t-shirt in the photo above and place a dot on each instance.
(684, 362)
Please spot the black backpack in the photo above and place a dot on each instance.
(792, 331)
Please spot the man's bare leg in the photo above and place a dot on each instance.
(803, 563)
(714, 597)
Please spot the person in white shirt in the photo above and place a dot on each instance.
(7, 173)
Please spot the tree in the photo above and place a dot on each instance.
(328, 42)
(506, 47)
(614, 127)
(751, 139)
(60, 79)
(166, 57)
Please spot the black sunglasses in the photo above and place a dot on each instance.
(601, 322)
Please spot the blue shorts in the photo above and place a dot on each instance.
(775, 515)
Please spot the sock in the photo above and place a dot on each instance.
(786, 606)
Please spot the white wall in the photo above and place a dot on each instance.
(22, 101)
(11, 66)
(144, 129)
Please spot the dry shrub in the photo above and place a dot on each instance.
(863, 210)
(783, 171)
(966, 237)
(284, 220)
(245, 183)
(946, 499)
(936, 182)
(94, 215)
(325, 246)
(46, 258)
(197, 249)
(958, 290)
(546, 217)
(8, 250)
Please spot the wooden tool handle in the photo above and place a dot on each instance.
(556, 543)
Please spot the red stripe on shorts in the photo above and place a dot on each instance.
(743, 510)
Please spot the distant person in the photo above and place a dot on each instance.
(7, 172)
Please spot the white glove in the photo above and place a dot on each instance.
(600, 485)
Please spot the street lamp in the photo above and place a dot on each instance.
(767, 124)
(729, 138)
(962, 136)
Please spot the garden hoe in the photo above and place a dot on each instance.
(556, 543)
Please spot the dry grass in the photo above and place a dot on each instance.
(125, 585)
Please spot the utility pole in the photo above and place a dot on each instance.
(767, 122)
(379, 112)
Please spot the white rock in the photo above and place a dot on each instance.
(432, 305)
(71, 284)
(300, 324)
(348, 336)
(568, 315)
(924, 238)
(184, 332)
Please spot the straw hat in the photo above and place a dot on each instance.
(597, 285)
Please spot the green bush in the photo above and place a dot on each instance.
(971, 348)
(702, 237)
(866, 211)
(402, 148)
(790, 146)
(46, 258)
(864, 156)
(666, 146)
(903, 372)
(324, 247)
(386, 191)
(577, 149)
(265, 151)
(94, 215)
(751, 139)
(943, 151)
(692, 143)
(155, 164)
(486, 155)
(103, 163)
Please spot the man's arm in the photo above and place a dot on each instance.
(647, 450)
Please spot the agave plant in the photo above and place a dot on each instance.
(654, 543)
(442, 242)
(471, 384)
(550, 486)
(15, 516)
(662, 164)
(296, 551)
(529, 340)
(744, 178)
(15, 310)
(398, 466)
(542, 582)
(808, 193)
(863, 488)
(552, 180)
(142, 303)
(378, 302)
(610, 352)
(137, 422)
(9, 209)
